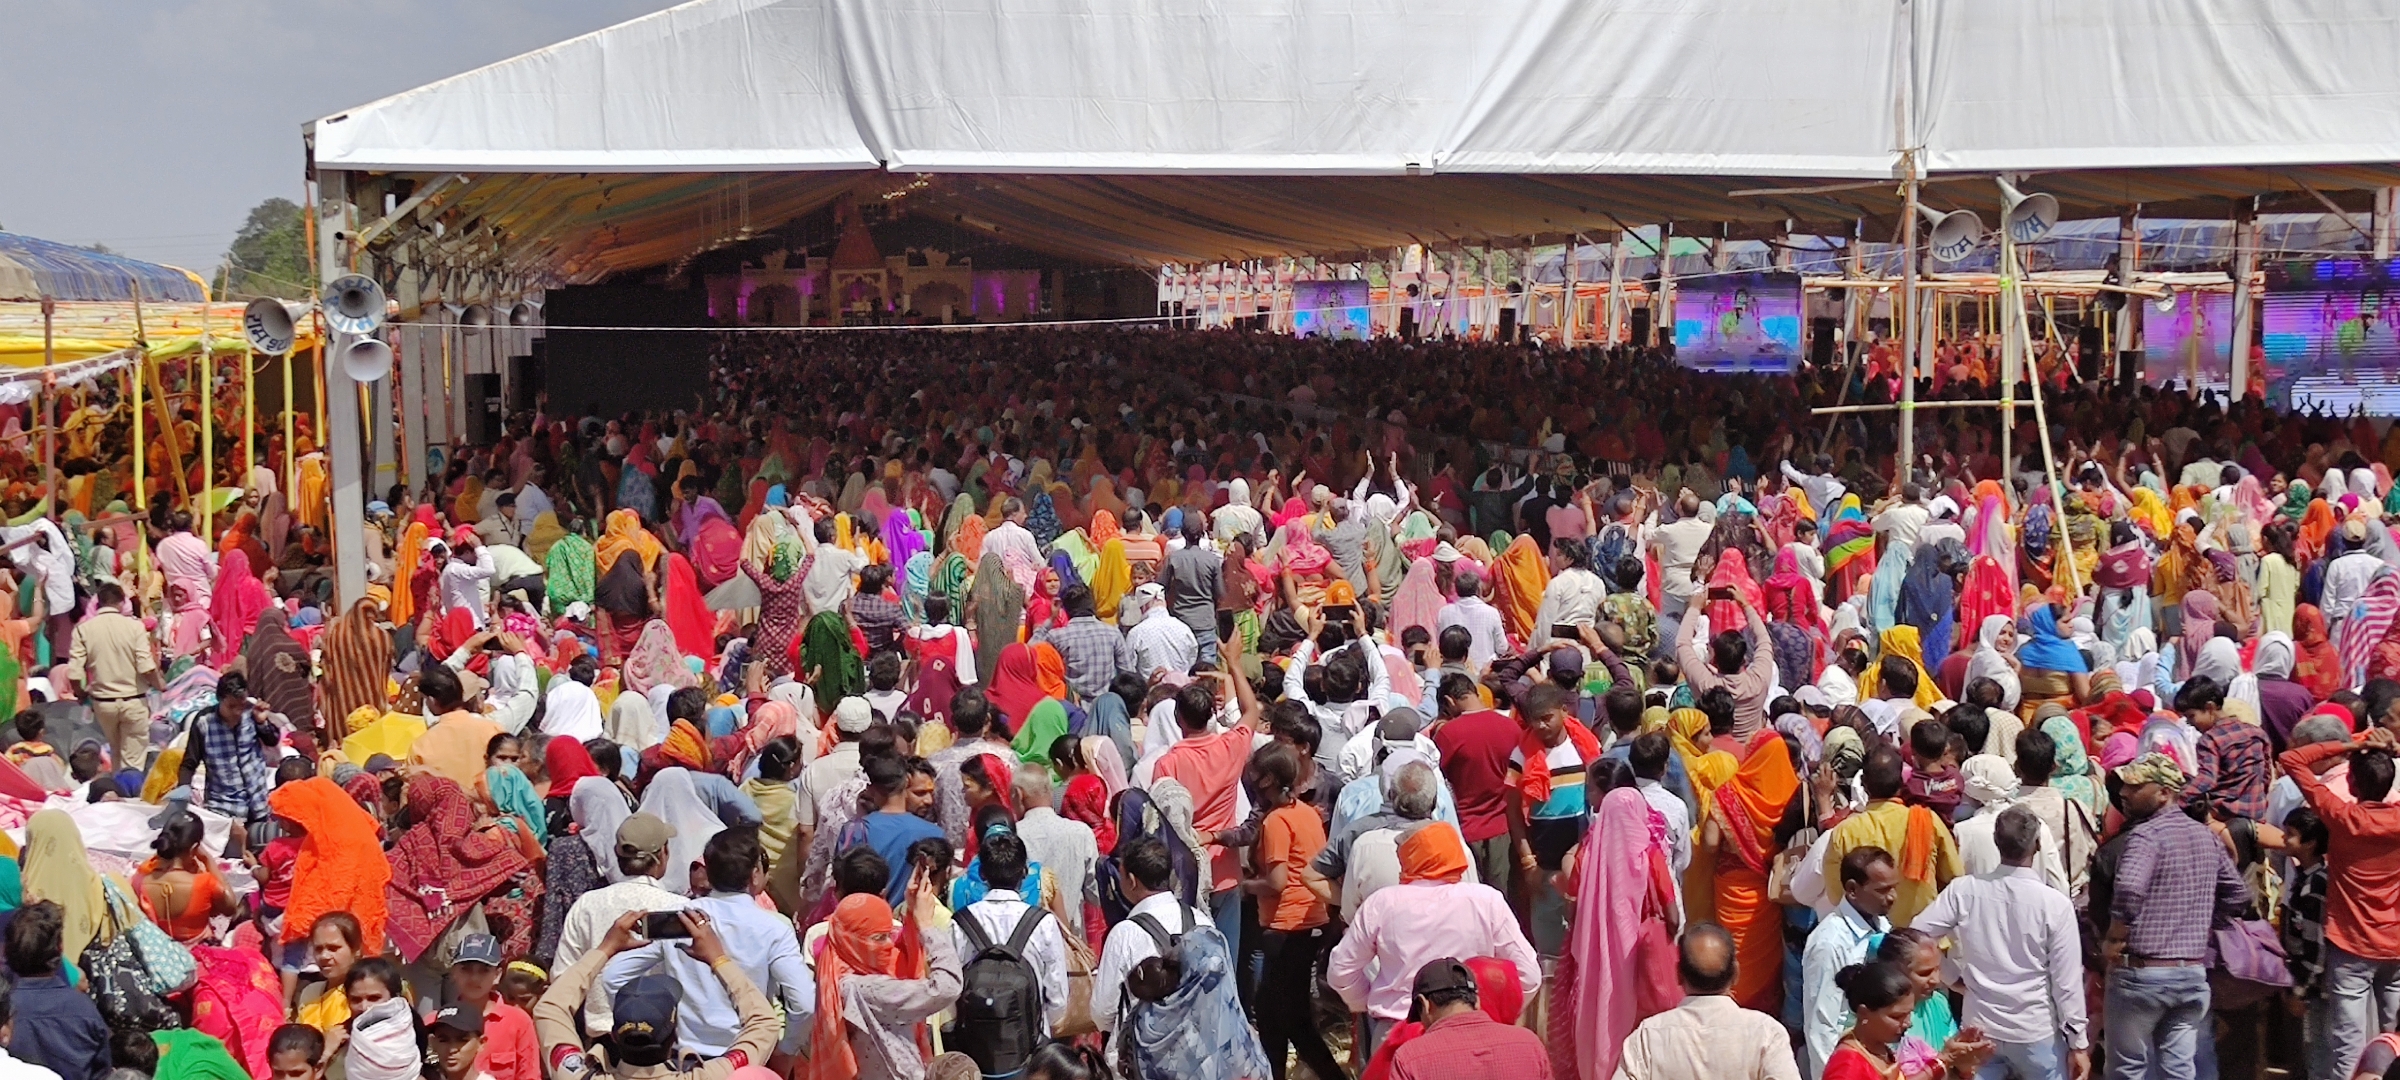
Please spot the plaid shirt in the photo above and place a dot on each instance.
(2174, 884)
(2232, 776)
(879, 618)
(236, 766)
(1094, 653)
(2304, 931)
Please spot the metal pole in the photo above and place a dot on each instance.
(1904, 314)
(1613, 324)
(141, 485)
(49, 405)
(2245, 257)
(291, 463)
(341, 417)
(2012, 356)
(249, 416)
(1571, 307)
(208, 429)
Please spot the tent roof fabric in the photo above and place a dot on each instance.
(32, 268)
(1148, 130)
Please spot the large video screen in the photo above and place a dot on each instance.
(2186, 346)
(1739, 322)
(1334, 309)
(2329, 334)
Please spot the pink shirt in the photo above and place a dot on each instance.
(1405, 927)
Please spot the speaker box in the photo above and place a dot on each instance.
(2091, 354)
(1508, 325)
(525, 379)
(483, 408)
(1820, 341)
(1408, 323)
(1641, 327)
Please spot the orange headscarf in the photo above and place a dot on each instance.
(1049, 672)
(1521, 576)
(1433, 853)
(858, 942)
(1103, 529)
(342, 866)
(2316, 524)
(968, 542)
(625, 533)
(686, 746)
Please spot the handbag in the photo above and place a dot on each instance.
(1655, 986)
(1081, 962)
(130, 973)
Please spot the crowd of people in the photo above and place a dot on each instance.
(1197, 706)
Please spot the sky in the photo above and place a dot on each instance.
(153, 126)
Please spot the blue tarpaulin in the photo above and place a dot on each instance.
(32, 268)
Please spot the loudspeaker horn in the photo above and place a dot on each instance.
(2026, 217)
(1955, 234)
(523, 314)
(367, 360)
(354, 304)
(271, 325)
(475, 315)
(2165, 304)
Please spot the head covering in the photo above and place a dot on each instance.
(55, 867)
(341, 865)
(1989, 781)
(441, 863)
(512, 794)
(1605, 934)
(2152, 768)
(653, 660)
(383, 1043)
(598, 808)
(358, 661)
(1903, 642)
(2073, 773)
(233, 607)
(2199, 625)
(858, 941)
(2043, 648)
(1433, 852)
(672, 798)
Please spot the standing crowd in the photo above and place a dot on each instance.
(1203, 706)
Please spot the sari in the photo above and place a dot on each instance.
(443, 865)
(624, 535)
(2318, 665)
(56, 867)
(1902, 641)
(512, 795)
(1849, 550)
(279, 670)
(1042, 726)
(545, 534)
(653, 661)
(1748, 809)
(1016, 685)
(1593, 1005)
(569, 573)
(358, 662)
(341, 864)
(687, 614)
(999, 612)
(830, 659)
(234, 606)
(1112, 577)
(1521, 577)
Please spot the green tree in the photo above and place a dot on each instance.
(269, 256)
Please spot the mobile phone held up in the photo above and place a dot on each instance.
(661, 925)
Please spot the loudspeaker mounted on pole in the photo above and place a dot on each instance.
(1954, 235)
(354, 304)
(523, 313)
(2026, 217)
(272, 326)
(366, 360)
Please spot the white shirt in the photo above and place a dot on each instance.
(1838, 942)
(20, 1069)
(1679, 829)
(761, 941)
(1067, 850)
(2016, 946)
(1334, 721)
(1981, 855)
(1572, 599)
(1128, 944)
(998, 913)
(589, 920)
(1708, 1038)
(1902, 523)
(2346, 580)
(462, 584)
(1488, 636)
(1010, 536)
(1678, 544)
(1162, 642)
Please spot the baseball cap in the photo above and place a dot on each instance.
(1399, 725)
(643, 834)
(1149, 591)
(1447, 973)
(1567, 662)
(478, 949)
(853, 715)
(380, 763)
(464, 1018)
(644, 1033)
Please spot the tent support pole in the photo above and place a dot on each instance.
(1904, 315)
(2245, 258)
(340, 415)
(50, 406)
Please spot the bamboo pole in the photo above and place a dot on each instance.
(133, 379)
(291, 467)
(49, 402)
(249, 416)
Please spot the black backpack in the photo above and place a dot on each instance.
(999, 1020)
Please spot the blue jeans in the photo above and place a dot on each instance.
(2154, 1021)
(2026, 1061)
(1227, 914)
(2362, 1000)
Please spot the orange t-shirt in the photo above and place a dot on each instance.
(1292, 835)
(1210, 767)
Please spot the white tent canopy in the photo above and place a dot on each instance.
(1144, 131)
(1764, 87)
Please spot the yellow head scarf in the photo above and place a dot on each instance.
(1903, 641)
